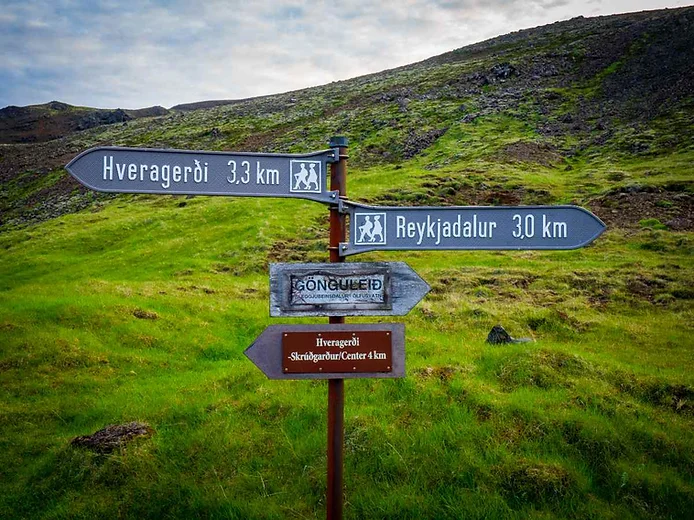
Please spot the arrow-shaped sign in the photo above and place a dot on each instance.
(186, 172)
(345, 289)
(468, 227)
(330, 351)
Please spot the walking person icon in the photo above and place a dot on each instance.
(365, 229)
(312, 177)
(300, 177)
(377, 230)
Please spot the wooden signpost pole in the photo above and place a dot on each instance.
(336, 387)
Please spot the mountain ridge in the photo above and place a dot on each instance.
(48, 121)
(465, 52)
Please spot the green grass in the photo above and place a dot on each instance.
(141, 311)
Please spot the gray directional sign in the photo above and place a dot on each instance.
(185, 172)
(344, 289)
(330, 351)
(468, 227)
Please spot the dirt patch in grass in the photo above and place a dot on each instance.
(483, 285)
(644, 287)
(112, 437)
(310, 245)
(543, 154)
(443, 373)
(536, 482)
(484, 412)
(452, 191)
(487, 195)
(517, 427)
(659, 287)
(143, 314)
(676, 397)
(541, 369)
(598, 289)
(299, 250)
(262, 141)
(637, 207)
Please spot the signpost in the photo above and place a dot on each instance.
(185, 172)
(335, 351)
(336, 387)
(468, 227)
(330, 351)
(354, 289)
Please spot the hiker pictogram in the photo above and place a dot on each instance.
(370, 228)
(305, 176)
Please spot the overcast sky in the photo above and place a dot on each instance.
(132, 54)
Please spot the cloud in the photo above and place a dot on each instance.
(133, 54)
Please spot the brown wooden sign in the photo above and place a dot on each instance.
(340, 351)
(330, 351)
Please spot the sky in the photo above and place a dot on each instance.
(133, 54)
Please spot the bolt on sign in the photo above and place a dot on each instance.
(186, 172)
(334, 351)
(468, 227)
(353, 289)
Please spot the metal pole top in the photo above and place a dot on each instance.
(339, 141)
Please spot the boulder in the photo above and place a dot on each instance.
(499, 336)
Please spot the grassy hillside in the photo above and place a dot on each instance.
(139, 307)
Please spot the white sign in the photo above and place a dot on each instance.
(306, 176)
(370, 228)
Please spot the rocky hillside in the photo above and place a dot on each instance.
(608, 99)
(38, 123)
